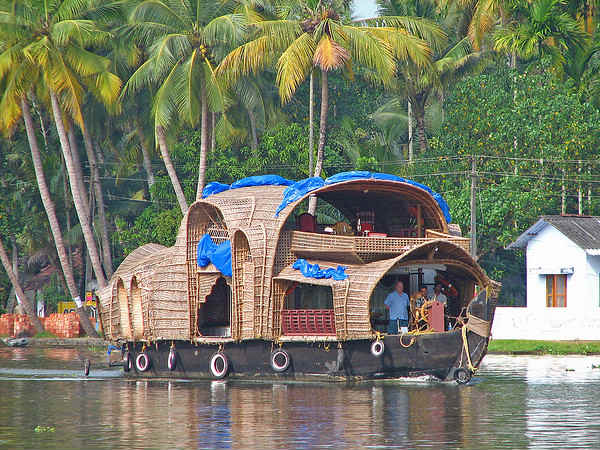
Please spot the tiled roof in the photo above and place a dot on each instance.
(582, 230)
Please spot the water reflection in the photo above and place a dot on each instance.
(513, 403)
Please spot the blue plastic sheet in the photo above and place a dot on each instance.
(262, 180)
(209, 252)
(298, 190)
(347, 176)
(257, 180)
(214, 188)
(314, 271)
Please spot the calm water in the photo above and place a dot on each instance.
(514, 402)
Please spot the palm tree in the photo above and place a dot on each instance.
(185, 40)
(453, 58)
(544, 29)
(10, 102)
(53, 41)
(320, 39)
(29, 308)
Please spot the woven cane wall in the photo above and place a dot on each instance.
(241, 261)
(123, 301)
(137, 317)
(169, 307)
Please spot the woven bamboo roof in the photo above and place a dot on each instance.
(250, 206)
(447, 253)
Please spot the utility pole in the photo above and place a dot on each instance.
(473, 208)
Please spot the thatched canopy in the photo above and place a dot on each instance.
(353, 294)
(380, 195)
(170, 287)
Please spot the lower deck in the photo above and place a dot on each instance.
(437, 354)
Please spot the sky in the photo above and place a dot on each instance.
(363, 9)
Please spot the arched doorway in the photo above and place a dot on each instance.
(214, 315)
(203, 218)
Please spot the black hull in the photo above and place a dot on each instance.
(437, 354)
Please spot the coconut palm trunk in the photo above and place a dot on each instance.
(410, 131)
(29, 307)
(203, 144)
(252, 118)
(146, 160)
(76, 193)
(312, 206)
(213, 137)
(418, 105)
(311, 119)
(12, 297)
(95, 180)
(164, 152)
(74, 150)
(50, 209)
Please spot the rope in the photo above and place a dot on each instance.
(478, 326)
(412, 341)
(470, 365)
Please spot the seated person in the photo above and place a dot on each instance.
(398, 304)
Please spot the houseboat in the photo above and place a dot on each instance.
(257, 287)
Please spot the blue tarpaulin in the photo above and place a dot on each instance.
(299, 189)
(209, 252)
(214, 188)
(314, 271)
(257, 180)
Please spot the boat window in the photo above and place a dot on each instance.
(308, 311)
(309, 296)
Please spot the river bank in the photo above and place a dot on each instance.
(50, 342)
(533, 347)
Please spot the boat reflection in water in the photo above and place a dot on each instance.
(513, 403)
(257, 416)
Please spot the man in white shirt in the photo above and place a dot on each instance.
(439, 296)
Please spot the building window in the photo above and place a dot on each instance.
(556, 291)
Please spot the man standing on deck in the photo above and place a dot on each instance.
(398, 304)
(439, 295)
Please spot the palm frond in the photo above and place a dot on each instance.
(329, 55)
(422, 28)
(294, 65)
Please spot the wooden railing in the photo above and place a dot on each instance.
(307, 322)
(361, 248)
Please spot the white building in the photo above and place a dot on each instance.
(563, 282)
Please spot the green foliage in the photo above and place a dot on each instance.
(53, 293)
(153, 225)
(530, 117)
(530, 347)
(44, 334)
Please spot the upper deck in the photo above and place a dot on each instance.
(362, 249)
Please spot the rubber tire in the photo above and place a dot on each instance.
(377, 348)
(280, 368)
(127, 362)
(172, 360)
(140, 367)
(462, 376)
(213, 368)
